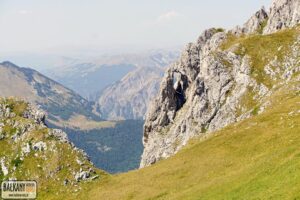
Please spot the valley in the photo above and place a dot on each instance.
(219, 121)
(111, 137)
(116, 149)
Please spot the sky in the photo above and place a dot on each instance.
(66, 26)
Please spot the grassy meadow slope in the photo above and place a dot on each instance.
(258, 158)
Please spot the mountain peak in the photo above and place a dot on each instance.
(282, 14)
(9, 64)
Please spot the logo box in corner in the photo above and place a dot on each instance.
(18, 190)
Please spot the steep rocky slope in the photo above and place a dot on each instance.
(223, 78)
(61, 103)
(31, 151)
(129, 97)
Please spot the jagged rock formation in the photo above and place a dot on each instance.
(254, 24)
(283, 14)
(31, 151)
(220, 79)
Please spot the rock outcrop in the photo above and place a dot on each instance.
(27, 141)
(214, 85)
(283, 14)
(254, 24)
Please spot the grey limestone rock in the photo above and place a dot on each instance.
(59, 134)
(39, 146)
(36, 114)
(202, 91)
(82, 175)
(283, 14)
(254, 24)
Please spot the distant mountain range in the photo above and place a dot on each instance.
(63, 106)
(89, 79)
(121, 85)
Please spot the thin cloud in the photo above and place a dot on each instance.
(168, 16)
(24, 12)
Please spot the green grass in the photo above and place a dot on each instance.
(255, 110)
(262, 26)
(262, 49)
(16, 162)
(17, 106)
(258, 158)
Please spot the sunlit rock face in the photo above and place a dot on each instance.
(283, 14)
(204, 90)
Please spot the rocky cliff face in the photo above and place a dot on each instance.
(283, 14)
(222, 78)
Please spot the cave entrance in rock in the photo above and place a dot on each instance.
(179, 92)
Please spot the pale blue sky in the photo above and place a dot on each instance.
(64, 25)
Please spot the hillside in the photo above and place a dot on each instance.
(88, 79)
(69, 111)
(225, 124)
(253, 159)
(257, 158)
(31, 151)
(129, 98)
(63, 106)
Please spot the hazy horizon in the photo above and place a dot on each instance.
(77, 28)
